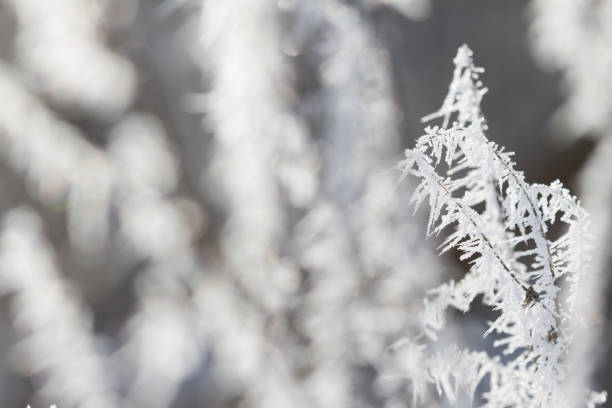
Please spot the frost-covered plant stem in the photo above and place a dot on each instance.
(514, 264)
(56, 343)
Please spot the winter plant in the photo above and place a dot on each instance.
(506, 229)
(197, 209)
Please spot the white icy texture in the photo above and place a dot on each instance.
(60, 45)
(56, 344)
(574, 37)
(500, 223)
